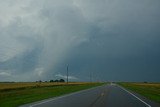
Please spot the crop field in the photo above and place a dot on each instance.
(21, 85)
(149, 90)
(15, 94)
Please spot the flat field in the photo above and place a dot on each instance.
(149, 90)
(15, 94)
(22, 85)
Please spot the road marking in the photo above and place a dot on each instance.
(41, 103)
(102, 94)
(55, 98)
(135, 96)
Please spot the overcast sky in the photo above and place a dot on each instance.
(111, 40)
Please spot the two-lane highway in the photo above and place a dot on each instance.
(104, 96)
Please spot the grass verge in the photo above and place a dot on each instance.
(14, 98)
(148, 90)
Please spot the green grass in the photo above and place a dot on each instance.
(14, 98)
(148, 90)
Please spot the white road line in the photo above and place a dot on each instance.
(41, 103)
(135, 96)
(62, 96)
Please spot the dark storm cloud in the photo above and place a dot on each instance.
(110, 39)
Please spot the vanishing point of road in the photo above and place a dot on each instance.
(111, 95)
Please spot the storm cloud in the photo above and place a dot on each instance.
(111, 40)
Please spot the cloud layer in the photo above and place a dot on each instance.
(112, 39)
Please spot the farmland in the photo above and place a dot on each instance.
(149, 90)
(22, 85)
(15, 94)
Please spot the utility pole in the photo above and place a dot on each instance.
(67, 74)
(90, 77)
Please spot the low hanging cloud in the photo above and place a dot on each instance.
(5, 73)
(51, 27)
(38, 36)
(65, 77)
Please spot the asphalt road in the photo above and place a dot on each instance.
(104, 96)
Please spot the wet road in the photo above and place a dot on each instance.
(110, 95)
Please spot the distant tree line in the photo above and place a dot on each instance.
(60, 80)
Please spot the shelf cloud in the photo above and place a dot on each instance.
(114, 40)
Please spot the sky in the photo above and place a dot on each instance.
(99, 40)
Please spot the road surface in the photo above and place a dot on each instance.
(103, 96)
